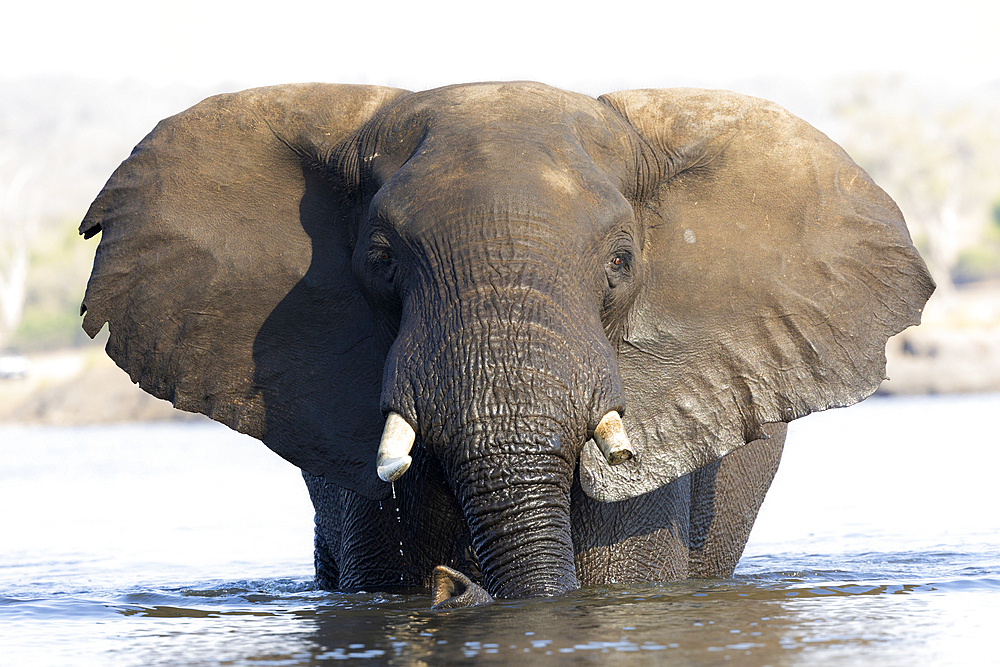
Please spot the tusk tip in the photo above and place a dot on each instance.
(392, 469)
(619, 455)
(611, 439)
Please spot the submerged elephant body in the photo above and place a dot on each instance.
(694, 527)
(502, 270)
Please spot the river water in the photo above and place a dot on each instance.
(189, 544)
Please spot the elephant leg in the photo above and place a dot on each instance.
(327, 503)
(357, 540)
(364, 544)
(696, 526)
(725, 499)
(640, 539)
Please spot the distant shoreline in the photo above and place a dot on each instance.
(77, 387)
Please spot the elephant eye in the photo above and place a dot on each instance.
(379, 255)
(619, 262)
(382, 263)
(618, 268)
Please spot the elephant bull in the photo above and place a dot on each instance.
(542, 339)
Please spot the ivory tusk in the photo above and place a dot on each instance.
(611, 439)
(394, 450)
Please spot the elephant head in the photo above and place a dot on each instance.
(497, 273)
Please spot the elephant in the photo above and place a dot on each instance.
(518, 339)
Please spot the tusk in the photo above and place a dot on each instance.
(611, 439)
(394, 450)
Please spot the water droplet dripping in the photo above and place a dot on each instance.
(399, 522)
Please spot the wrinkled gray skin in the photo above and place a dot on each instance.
(501, 265)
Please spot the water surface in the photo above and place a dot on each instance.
(191, 545)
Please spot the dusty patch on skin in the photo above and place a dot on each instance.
(481, 93)
(560, 180)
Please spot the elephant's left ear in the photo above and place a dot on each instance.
(775, 271)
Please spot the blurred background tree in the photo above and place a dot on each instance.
(60, 139)
(18, 224)
(938, 156)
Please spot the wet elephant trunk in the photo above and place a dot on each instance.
(509, 386)
(517, 509)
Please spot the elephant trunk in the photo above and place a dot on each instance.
(517, 509)
(509, 387)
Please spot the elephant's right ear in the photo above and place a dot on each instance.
(774, 272)
(224, 272)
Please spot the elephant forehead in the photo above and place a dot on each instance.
(517, 154)
(503, 118)
(442, 186)
(498, 100)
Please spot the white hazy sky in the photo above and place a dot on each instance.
(581, 44)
